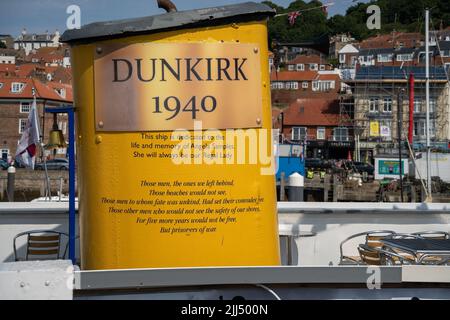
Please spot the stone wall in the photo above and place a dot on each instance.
(30, 184)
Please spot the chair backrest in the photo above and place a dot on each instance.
(405, 236)
(369, 255)
(41, 244)
(373, 238)
(435, 235)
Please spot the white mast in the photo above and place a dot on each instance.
(427, 97)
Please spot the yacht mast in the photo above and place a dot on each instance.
(427, 98)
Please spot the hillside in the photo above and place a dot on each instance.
(400, 15)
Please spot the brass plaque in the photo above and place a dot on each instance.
(167, 86)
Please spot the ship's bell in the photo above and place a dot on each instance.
(56, 139)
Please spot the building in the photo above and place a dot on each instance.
(44, 73)
(316, 122)
(440, 55)
(293, 80)
(288, 86)
(308, 63)
(440, 35)
(30, 42)
(7, 40)
(8, 56)
(348, 57)
(16, 96)
(374, 105)
(394, 40)
(338, 42)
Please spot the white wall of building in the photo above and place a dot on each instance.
(8, 59)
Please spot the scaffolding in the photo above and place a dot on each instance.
(373, 96)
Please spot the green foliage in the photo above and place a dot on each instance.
(2, 45)
(400, 15)
(309, 25)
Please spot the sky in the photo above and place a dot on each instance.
(38, 16)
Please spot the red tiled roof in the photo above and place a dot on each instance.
(293, 76)
(328, 77)
(386, 40)
(26, 70)
(312, 112)
(43, 91)
(7, 67)
(308, 59)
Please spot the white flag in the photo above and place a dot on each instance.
(28, 144)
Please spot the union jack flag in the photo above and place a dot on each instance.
(293, 16)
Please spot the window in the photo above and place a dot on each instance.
(340, 134)
(22, 125)
(387, 104)
(366, 60)
(298, 133)
(432, 129)
(385, 57)
(291, 85)
(1, 85)
(315, 85)
(305, 85)
(373, 104)
(405, 57)
(421, 56)
(300, 67)
(323, 85)
(417, 105)
(277, 85)
(342, 58)
(313, 66)
(291, 67)
(4, 154)
(322, 67)
(433, 104)
(25, 107)
(17, 87)
(419, 128)
(320, 133)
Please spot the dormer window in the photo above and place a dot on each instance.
(1, 85)
(34, 37)
(61, 92)
(17, 87)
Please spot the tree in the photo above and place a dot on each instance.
(400, 15)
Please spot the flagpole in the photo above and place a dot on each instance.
(47, 179)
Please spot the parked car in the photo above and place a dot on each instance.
(364, 167)
(315, 163)
(55, 164)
